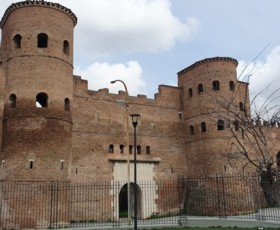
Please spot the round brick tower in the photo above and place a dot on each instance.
(37, 46)
(209, 85)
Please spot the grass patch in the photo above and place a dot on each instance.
(123, 214)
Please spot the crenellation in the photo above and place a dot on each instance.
(142, 96)
(208, 60)
(29, 3)
(104, 91)
(121, 92)
(169, 96)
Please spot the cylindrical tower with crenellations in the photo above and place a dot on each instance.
(37, 51)
(210, 85)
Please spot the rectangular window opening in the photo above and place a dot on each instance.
(180, 116)
(31, 164)
(61, 164)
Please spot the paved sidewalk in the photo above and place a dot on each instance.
(263, 218)
(198, 222)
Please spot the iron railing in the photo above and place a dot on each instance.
(93, 204)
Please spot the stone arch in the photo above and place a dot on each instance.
(123, 201)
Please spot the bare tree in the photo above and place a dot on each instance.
(251, 126)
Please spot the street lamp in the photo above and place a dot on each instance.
(134, 118)
(127, 150)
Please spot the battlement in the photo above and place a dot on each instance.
(208, 60)
(42, 3)
(166, 95)
(264, 123)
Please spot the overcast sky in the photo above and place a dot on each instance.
(146, 42)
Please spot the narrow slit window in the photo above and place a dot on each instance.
(243, 133)
(121, 149)
(200, 89)
(17, 41)
(231, 86)
(216, 85)
(66, 47)
(111, 148)
(138, 149)
(241, 106)
(67, 104)
(180, 116)
(31, 164)
(203, 127)
(148, 150)
(61, 164)
(236, 125)
(221, 125)
(130, 149)
(191, 129)
(12, 101)
(278, 160)
(190, 92)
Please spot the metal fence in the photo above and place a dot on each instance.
(93, 204)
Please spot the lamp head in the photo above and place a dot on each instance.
(134, 118)
(112, 82)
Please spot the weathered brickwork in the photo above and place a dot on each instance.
(53, 128)
(70, 134)
(37, 64)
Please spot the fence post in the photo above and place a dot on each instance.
(218, 195)
(224, 198)
(51, 203)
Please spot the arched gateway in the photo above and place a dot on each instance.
(123, 200)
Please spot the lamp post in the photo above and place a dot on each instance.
(135, 123)
(127, 150)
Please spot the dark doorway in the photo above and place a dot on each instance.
(123, 202)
